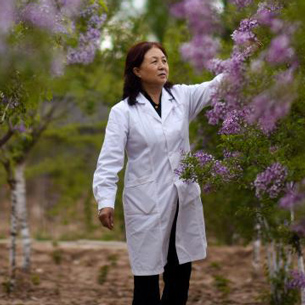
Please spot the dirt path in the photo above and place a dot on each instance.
(98, 273)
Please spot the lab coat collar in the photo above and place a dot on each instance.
(166, 105)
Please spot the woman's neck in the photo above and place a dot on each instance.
(154, 92)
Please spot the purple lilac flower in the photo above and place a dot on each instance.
(297, 281)
(203, 157)
(226, 173)
(267, 12)
(271, 181)
(43, 14)
(241, 38)
(231, 93)
(89, 42)
(244, 32)
(231, 154)
(235, 69)
(220, 169)
(217, 65)
(83, 54)
(90, 10)
(207, 188)
(280, 50)
(201, 15)
(274, 103)
(203, 22)
(295, 194)
(273, 149)
(276, 25)
(242, 3)
(200, 50)
(217, 113)
(7, 15)
(97, 21)
(181, 170)
(290, 199)
(232, 123)
(70, 7)
(221, 109)
(20, 127)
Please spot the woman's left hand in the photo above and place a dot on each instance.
(105, 216)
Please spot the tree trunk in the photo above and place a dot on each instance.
(23, 215)
(301, 268)
(257, 248)
(13, 233)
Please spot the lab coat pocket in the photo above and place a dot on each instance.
(192, 191)
(141, 199)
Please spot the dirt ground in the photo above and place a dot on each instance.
(98, 273)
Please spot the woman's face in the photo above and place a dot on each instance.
(154, 68)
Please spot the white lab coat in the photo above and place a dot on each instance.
(151, 188)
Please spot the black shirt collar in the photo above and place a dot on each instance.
(157, 107)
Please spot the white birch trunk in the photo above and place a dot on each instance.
(13, 235)
(301, 269)
(22, 215)
(288, 260)
(288, 252)
(269, 260)
(257, 248)
(274, 258)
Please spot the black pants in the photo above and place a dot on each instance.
(176, 280)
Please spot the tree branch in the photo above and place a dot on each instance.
(6, 137)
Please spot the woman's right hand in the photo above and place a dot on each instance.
(105, 216)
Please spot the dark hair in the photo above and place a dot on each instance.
(134, 58)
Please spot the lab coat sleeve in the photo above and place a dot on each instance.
(200, 95)
(111, 159)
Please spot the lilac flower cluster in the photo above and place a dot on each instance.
(218, 112)
(270, 105)
(271, 181)
(295, 194)
(221, 170)
(203, 22)
(70, 7)
(7, 15)
(202, 165)
(20, 127)
(280, 50)
(233, 110)
(201, 15)
(181, 170)
(88, 42)
(297, 280)
(242, 3)
(231, 154)
(203, 158)
(234, 122)
(244, 33)
(44, 14)
(267, 13)
(57, 18)
(236, 80)
(200, 50)
(274, 103)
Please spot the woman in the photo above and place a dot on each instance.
(164, 221)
